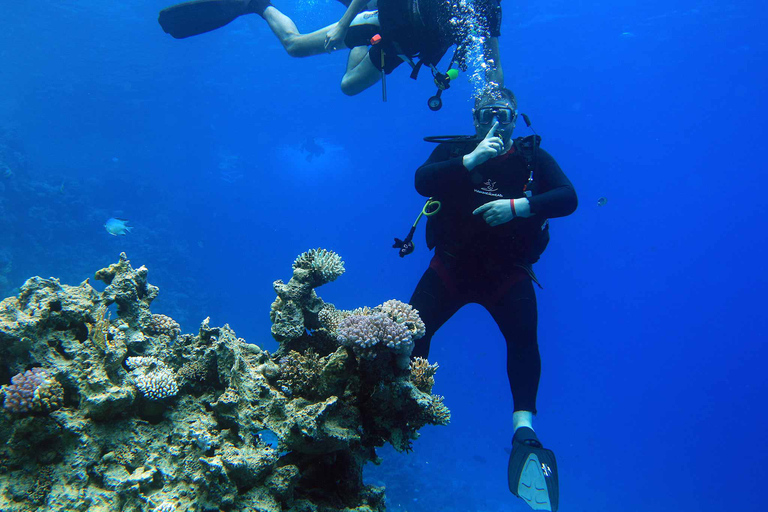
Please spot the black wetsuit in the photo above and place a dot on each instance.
(490, 266)
(427, 28)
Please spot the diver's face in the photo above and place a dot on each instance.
(491, 112)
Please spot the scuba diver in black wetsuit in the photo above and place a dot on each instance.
(495, 197)
(398, 31)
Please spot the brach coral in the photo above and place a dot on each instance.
(366, 333)
(115, 413)
(323, 266)
(153, 377)
(33, 390)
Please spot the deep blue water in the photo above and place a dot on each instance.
(652, 318)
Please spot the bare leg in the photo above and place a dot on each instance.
(294, 42)
(522, 419)
(361, 73)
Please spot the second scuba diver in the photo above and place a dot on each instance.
(398, 31)
(495, 197)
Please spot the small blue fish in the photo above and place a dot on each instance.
(269, 438)
(117, 227)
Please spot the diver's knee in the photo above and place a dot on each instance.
(350, 86)
(293, 46)
(293, 50)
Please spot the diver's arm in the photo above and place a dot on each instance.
(334, 39)
(441, 174)
(557, 197)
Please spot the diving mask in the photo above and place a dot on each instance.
(486, 115)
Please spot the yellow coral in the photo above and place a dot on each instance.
(98, 332)
(301, 373)
(422, 374)
(438, 413)
(49, 395)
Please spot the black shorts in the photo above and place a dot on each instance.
(391, 60)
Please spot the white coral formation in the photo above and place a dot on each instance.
(364, 332)
(403, 313)
(166, 506)
(152, 377)
(325, 266)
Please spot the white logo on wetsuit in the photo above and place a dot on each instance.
(489, 189)
(490, 186)
(546, 469)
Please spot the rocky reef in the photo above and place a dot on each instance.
(109, 407)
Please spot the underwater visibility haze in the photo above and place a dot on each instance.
(194, 172)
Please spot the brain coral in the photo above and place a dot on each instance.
(162, 324)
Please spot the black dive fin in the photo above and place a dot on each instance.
(200, 16)
(532, 472)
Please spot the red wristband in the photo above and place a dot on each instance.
(512, 203)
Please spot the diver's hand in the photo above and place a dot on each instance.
(504, 210)
(334, 39)
(490, 147)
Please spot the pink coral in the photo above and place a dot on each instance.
(33, 390)
(364, 332)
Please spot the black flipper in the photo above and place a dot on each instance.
(532, 472)
(200, 16)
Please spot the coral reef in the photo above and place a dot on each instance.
(127, 414)
(378, 343)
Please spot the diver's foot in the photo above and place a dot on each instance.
(532, 471)
(258, 6)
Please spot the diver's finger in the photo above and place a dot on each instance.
(481, 209)
(492, 131)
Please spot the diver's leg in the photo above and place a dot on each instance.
(522, 419)
(361, 75)
(435, 305)
(356, 56)
(516, 316)
(294, 42)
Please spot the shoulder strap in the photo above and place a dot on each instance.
(527, 147)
